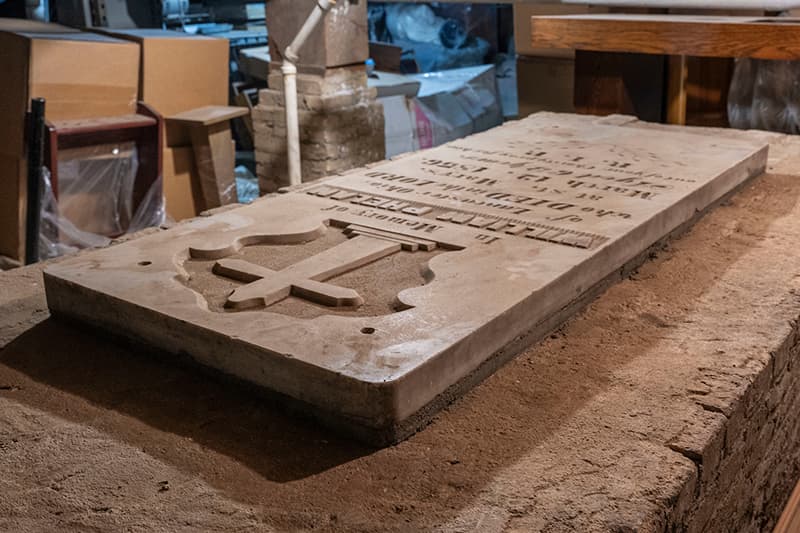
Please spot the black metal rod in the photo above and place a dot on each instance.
(35, 163)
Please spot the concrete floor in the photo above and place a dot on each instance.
(669, 404)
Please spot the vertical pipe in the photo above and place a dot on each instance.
(292, 124)
(35, 163)
(289, 70)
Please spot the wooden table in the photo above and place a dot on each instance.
(663, 67)
(214, 151)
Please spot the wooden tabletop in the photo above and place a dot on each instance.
(705, 36)
(206, 116)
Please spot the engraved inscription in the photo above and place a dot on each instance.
(501, 225)
(567, 192)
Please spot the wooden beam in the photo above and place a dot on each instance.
(676, 90)
(761, 38)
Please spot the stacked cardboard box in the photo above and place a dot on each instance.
(180, 72)
(80, 74)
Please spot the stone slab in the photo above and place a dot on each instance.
(455, 252)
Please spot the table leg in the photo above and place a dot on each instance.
(677, 74)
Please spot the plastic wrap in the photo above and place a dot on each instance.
(765, 95)
(418, 23)
(449, 105)
(95, 199)
(246, 185)
(455, 103)
(438, 38)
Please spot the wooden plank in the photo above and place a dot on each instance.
(387, 56)
(92, 125)
(215, 160)
(761, 38)
(209, 115)
(790, 519)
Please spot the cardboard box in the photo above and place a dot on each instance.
(182, 193)
(255, 62)
(545, 84)
(179, 72)
(81, 75)
(399, 121)
(12, 206)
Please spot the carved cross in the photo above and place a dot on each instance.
(306, 279)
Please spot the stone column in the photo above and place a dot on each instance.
(341, 122)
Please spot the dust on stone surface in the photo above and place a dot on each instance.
(378, 282)
(548, 443)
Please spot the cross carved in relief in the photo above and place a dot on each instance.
(307, 278)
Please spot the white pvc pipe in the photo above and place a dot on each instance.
(292, 125)
(289, 71)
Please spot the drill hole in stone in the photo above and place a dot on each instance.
(367, 331)
(145, 263)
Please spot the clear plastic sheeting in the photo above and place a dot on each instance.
(449, 105)
(455, 103)
(418, 23)
(765, 95)
(95, 186)
(57, 235)
(246, 185)
(436, 37)
(95, 199)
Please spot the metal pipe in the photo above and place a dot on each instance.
(33, 213)
(289, 71)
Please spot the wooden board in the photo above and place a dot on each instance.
(790, 519)
(761, 38)
(209, 115)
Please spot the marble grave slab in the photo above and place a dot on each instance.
(366, 298)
